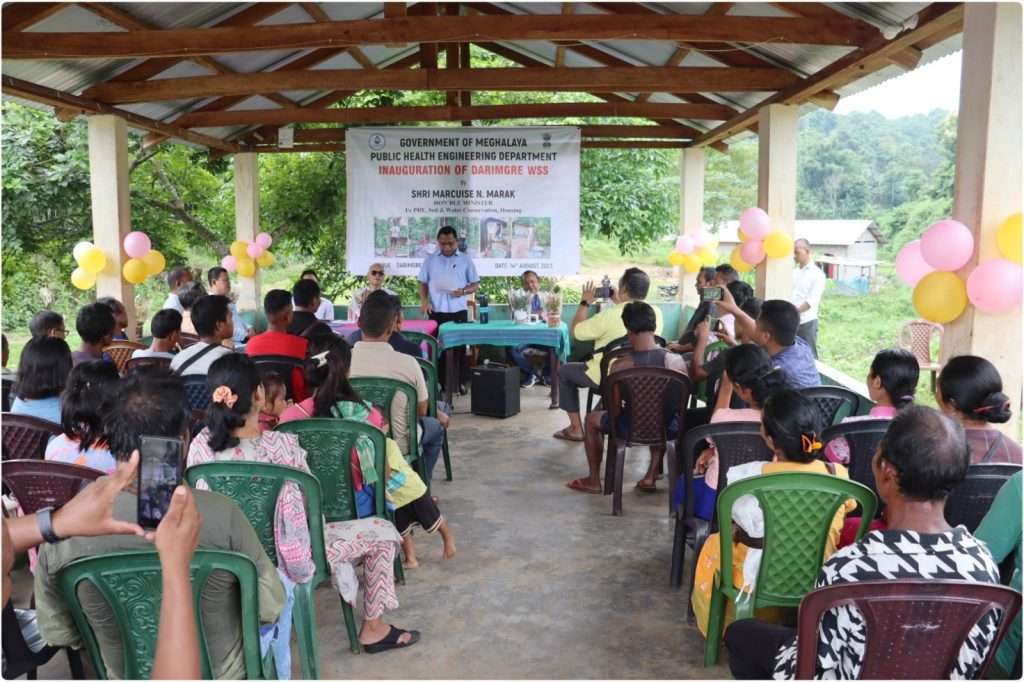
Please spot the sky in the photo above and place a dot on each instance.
(932, 86)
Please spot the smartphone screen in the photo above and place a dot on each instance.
(711, 294)
(159, 474)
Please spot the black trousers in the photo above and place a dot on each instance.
(460, 352)
(753, 645)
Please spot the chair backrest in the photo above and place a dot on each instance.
(380, 392)
(969, 501)
(832, 402)
(650, 397)
(187, 340)
(38, 483)
(8, 387)
(419, 338)
(328, 444)
(430, 376)
(610, 356)
(130, 583)
(798, 510)
(143, 364)
(916, 336)
(285, 367)
(736, 443)
(121, 352)
(914, 629)
(197, 393)
(862, 437)
(254, 487)
(25, 437)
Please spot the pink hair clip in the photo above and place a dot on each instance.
(224, 395)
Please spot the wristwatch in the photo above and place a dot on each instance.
(45, 520)
(586, 303)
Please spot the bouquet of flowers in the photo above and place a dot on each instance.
(552, 302)
(519, 303)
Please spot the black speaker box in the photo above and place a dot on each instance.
(494, 391)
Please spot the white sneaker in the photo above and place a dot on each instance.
(529, 383)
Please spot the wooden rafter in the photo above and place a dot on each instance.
(567, 8)
(17, 16)
(193, 42)
(315, 12)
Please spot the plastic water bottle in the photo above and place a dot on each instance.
(485, 310)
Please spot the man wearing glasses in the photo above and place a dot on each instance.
(47, 323)
(374, 282)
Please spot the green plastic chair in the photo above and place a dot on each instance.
(420, 338)
(131, 584)
(433, 388)
(380, 391)
(328, 444)
(798, 511)
(255, 487)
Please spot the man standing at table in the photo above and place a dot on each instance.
(808, 286)
(446, 278)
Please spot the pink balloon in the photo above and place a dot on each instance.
(701, 239)
(229, 263)
(752, 252)
(254, 250)
(995, 286)
(264, 240)
(685, 244)
(137, 244)
(755, 223)
(910, 265)
(947, 245)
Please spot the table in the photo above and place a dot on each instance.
(503, 333)
(344, 328)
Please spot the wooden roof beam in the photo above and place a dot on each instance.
(193, 42)
(18, 16)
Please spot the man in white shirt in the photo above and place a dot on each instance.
(326, 310)
(176, 277)
(211, 316)
(808, 286)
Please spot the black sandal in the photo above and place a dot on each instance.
(390, 641)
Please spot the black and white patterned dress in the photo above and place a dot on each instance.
(895, 554)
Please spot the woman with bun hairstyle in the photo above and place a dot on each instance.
(791, 428)
(971, 391)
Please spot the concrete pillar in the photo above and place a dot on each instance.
(778, 129)
(111, 206)
(987, 187)
(691, 211)
(247, 222)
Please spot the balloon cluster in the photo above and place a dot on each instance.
(694, 250)
(143, 261)
(244, 257)
(758, 241)
(929, 264)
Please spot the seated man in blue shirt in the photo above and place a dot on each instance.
(531, 284)
(775, 331)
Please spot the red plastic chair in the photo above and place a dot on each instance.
(40, 483)
(25, 437)
(913, 628)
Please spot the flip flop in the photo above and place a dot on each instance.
(646, 488)
(578, 486)
(390, 641)
(564, 435)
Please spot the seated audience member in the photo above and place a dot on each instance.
(176, 277)
(725, 275)
(920, 460)
(277, 305)
(47, 323)
(375, 278)
(602, 329)
(166, 330)
(374, 357)
(84, 402)
(151, 404)
(1000, 530)
(705, 278)
(7, 373)
(892, 383)
(306, 301)
(791, 427)
(188, 294)
(640, 321)
(275, 400)
(326, 310)
(220, 284)
(971, 391)
(775, 331)
(328, 368)
(702, 367)
(528, 372)
(397, 340)
(95, 325)
(120, 317)
(234, 434)
(212, 318)
(42, 374)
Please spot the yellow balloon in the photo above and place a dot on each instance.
(676, 258)
(738, 263)
(708, 255)
(155, 262)
(79, 251)
(83, 279)
(691, 262)
(134, 271)
(1008, 238)
(238, 250)
(778, 244)
(266, 259)
(246, 267)
(940, 297)
(93, 260)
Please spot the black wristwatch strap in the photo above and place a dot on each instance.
(586, 303)
(45, 520)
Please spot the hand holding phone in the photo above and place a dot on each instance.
(711, 294)
(159, 474)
